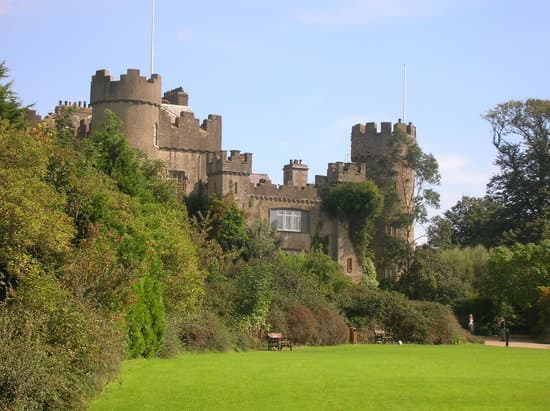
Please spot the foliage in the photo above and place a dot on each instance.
(445, 276)
(33, 227)
(405, 174)
(357, 204)
(11, 111)
(470, 222)
(521, 135)
(146, 318)
(95, 249)
(224, 223)
(432, 279)
(409, 321)
(513, 277)
(56, 352)
(484, 310)
(254, 296)
(543, 309)
(263, 241)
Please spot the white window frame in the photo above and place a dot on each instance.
(291, 220)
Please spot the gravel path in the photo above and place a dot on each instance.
(515, 342)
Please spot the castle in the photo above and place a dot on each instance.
(164, 128)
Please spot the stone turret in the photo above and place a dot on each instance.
(135, 100)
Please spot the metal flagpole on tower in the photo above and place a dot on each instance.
(152, 36)
(404, 93)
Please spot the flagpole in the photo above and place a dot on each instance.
(152, 36)
(404, 93)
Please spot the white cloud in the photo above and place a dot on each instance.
(456, 169)
(367, 11)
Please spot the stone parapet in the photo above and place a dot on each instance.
(236, 163)
(132, 87)
(340, 172)
(306, 194)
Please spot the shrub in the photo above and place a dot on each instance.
(411, 321)
(55, 352)
(204, 331)
(303, 326)
(333, 329)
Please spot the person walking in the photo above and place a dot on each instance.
(471, 323)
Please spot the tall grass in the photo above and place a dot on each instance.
(361, 377)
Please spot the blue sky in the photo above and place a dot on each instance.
(290, 78)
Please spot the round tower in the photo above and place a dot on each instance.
(369, 145)
(136, 102)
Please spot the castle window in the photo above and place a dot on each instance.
(283, 219)
(178, 177)
(156, 134)
(350, 265)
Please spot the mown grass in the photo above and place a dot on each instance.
(360, 377)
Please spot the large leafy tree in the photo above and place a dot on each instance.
(10, 106)
(406, 174)
(521, 131)
(471, 221)
(513, 279)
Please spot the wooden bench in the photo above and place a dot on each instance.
(382, 337)
(278, 341)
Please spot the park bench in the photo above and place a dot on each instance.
(278, 341)
(382, 337)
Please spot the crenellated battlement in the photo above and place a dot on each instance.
(265, 190)
(341, 172)
(371, 129)
(368, 141)
(132, 87)
(235, 163)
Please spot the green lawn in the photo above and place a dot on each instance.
(360, 377)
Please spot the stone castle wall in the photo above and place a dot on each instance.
(166, 129)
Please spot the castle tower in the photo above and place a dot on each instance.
(295, 173)
(369, 145)
(230, 175)
(135, 100)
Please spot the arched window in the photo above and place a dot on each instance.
(350, 265)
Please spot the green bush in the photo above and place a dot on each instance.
(55, 352)
(409, 321)
(204, 331)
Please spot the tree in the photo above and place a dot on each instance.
(513, 277)
(405, 174)
(521, 131)
(444, 276)
(10, 106)
(471, 221)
